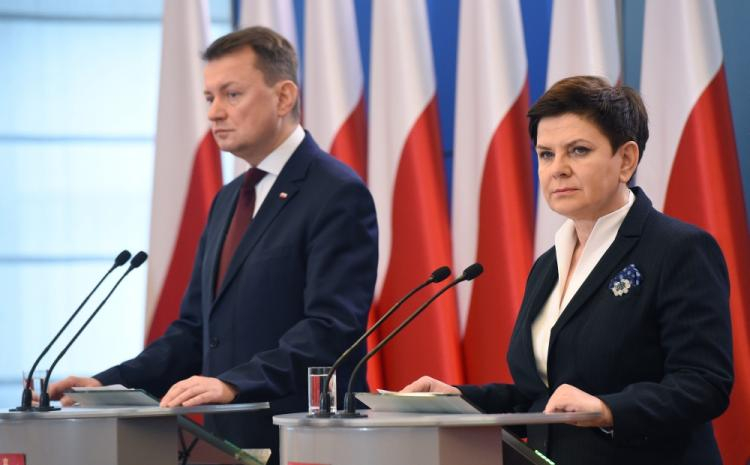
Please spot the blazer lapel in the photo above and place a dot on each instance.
(542, 289)
(627, 238)
(541, 292)
(288, 182)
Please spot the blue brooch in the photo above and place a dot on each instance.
(625, 280)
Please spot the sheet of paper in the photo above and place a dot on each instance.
(111, 387)
(109, 396)
(417, 402)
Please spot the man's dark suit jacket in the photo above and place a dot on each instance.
(296, 294)
(660, 356)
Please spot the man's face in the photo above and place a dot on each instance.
(244, 110)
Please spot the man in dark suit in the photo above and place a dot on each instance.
(285, 270)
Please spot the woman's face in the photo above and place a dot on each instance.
(580, 176)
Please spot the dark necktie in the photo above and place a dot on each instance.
(243, 215)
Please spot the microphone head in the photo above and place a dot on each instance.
(122, 258)
(440, 274)
(138, 260)
(472, 271)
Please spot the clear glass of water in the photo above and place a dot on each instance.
(316, 376)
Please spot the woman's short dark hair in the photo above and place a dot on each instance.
(617, 111)
(275, 56)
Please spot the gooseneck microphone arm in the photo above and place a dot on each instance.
(325, 400)
(44, 405)
(469, 273)
(121, 259)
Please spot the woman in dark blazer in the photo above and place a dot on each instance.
(628, 315)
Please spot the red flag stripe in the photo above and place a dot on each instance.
(421, 243)
(705, 189)
(505, 247)
(350, 143)
(205, 181)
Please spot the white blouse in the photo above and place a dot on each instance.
(602, 236)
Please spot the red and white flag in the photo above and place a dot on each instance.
(334, 99)
(187, 172)
(493, 187)
(274, 14)
(583, 40)
(406, 177)
(690, 169)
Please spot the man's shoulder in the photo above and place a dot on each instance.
(332, 169)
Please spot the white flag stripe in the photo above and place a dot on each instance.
(333, 72)
(678, 65)
(490, 76)
(401, 86)
(275, 14)
(584, 40)
(181, 124)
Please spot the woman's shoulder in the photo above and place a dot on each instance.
(659, 226)
(671, 230)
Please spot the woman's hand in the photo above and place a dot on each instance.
(567, 398)
(427, 384)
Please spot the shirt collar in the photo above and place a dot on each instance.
(604, 231)
(609, 224)
(275, 161)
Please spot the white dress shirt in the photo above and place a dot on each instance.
(274, 163)
(602, 236)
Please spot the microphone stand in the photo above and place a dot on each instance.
(469, 273)
(25, 406)
(44, 400)
(325, 399)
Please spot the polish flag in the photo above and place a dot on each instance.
(187, 172)
(583, 41)
(334, 99)
(405, 170)
(691, 171)
(273, 14)
(493, 187)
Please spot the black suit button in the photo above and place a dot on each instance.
(213, 343)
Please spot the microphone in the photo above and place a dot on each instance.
(325, 400)
(25, 406)
(44, 405)
(471, 272)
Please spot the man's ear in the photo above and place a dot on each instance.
(288, 94)
(630, 157)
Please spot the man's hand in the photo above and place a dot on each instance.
(198, 390)
(567, 398)
(427, 384)
(57, 390)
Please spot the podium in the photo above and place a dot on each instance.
(101, 436)
(410, 438)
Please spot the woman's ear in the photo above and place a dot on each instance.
(630, 157)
